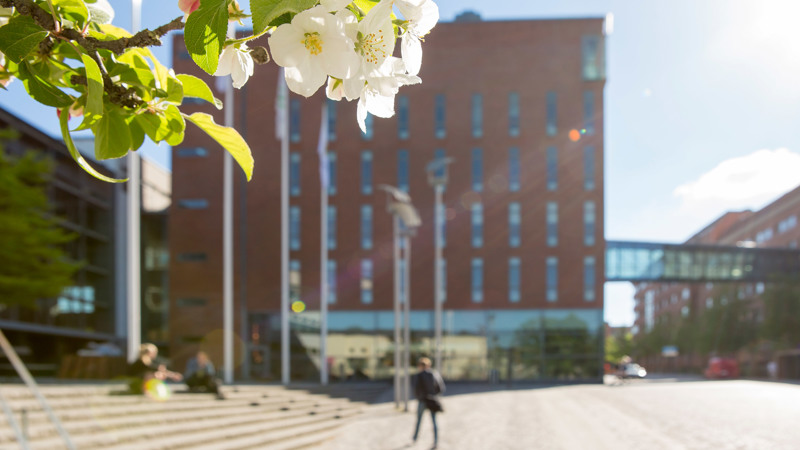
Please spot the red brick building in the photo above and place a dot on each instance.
(518, 105)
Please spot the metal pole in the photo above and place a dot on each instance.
(323, 286)
(285, 373)
(396, 311)
(134, 230)
(437, 296)
(227, 239)
(21, 434)
(407, 307)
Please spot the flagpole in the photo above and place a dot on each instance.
(227, 238)
(323, 226)
(134, 229)
(284, 135)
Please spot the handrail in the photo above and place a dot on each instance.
(23, 443)
(23, 373)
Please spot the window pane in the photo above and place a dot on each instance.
(439, 113)
(402, 170)
(477, 225)
(477, 115)
(552, 279)
(402, 117)
(193, 203)
(514, 219)
(588, 168)
(331, 227)
(368, 125)
(366, 281)
(191, 152)
(332, 173)
(294, 228)
(552, 114)
(552, 224)
(294, 174)
(588, 278)
(513, 280)
(588, 112)
(332, 281)
(552, 168)
(513, 114)
(588, 223)
(439, 154)
(366, 227)
(366, 172)
(294, 120)
(331, 119)
(477, 280)
(477, 170)
(513, 169)
(593, 64)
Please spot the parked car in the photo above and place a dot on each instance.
(633, 370)
(719, 368)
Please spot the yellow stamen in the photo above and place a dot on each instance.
(313, 43)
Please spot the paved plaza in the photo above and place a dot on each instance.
(665, 413)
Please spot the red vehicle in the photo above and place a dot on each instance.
(722, 368)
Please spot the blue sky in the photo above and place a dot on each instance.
(702, 108)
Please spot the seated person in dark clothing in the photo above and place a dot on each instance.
(200, 375)
(145, 368)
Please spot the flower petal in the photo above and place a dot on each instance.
(304, 79)
(286, 45)
(338, 58)
(226, 61)
(361, 114)
(379, 105)
(411, 51)
(334, 5)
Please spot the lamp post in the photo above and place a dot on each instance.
(400, 207)
(437, 177)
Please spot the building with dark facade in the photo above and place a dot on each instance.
(518, 105)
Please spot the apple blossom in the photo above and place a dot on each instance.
(335, 5)
(310, 48)
(236, 62)
(379, 89)
(188, 6)
(421, 16)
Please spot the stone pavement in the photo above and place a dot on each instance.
(667, 413)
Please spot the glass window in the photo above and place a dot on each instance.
(513, 114)
(366, 281)
(593, 64)
(513, 169)
(294, 174)
(477, 115)
(193, 203)
(294, 120)
(588, 168)
(588, 222)
(477, 225)
(477, 280)
(366, 227)
(294, 227)
(191, 152)
(439, 154)
(514, 220)
(443, 274)
(442, 212)
(477, 170)
(552, 169)
(588, 112)
(588, 278)
(294, 280)
(332, 281)
(368, 126)
(402, 117)
(366, 172)
(552, 114)
(513, 280)
(331, 173)
(192, 257)
(552, 279)
(552, 224)
(331, 227)
(331, 119)
(439, 116)
(402, 170)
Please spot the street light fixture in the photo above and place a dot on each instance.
(437, 177)
(400, 207)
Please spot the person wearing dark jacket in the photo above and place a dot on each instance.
(429, 385)
(200, 375)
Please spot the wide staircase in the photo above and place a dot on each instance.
(98, 416)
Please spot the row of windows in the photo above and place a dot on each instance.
(477, 172)
(440, 113)
(476, 217)
(477, 280)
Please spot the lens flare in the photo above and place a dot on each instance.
(157, 390)
(298, 306)
(574, 135)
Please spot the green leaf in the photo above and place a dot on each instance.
(74, 10)
(94, 91)
(19, 36)
(76, 155)
(176, 125)
(41, 91)
(204, 33)
(154, 125)
(100, 11)
(137, 133)
(174, 90)
(228, 138)
(112, 137)
(266, 11)
(195, 87)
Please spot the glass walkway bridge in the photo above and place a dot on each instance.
(644, 261)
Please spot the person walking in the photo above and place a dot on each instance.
(429, 385)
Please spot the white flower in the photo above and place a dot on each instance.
(379, 89)
(421, 16)
(335, 5)
(237, 63)
(311, 47)
(375, 36)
